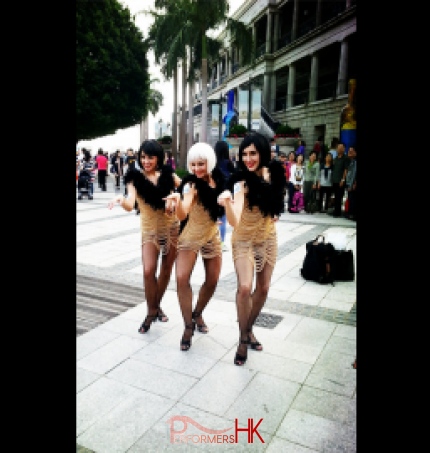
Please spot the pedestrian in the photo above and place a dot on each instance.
(197, 208)
(253, 203)
(301, 148)
(118, 165)
(170, 160)
(88, 165)
(340, 168)
(325, 184)
(311, 176)
(148, 185)
(291, 160)
(274, 147)
(225, 165)
(351, 184)
(102, 164)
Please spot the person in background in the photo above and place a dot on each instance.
(291, 160)
(118, 164)
(333, 147)
(129, 164)
(311, 176)
(253, 203)
(351, 183)
(102, 165)
(170, 160)
(340, 168)
(274, 146)
(300, 151)
(89, 166)
(148, 186)
(225, 165)
(297, 176)
(318, 147)
(325, 185)
(197, 208)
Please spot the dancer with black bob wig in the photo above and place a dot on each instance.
(148, 185)
(253, 202)
(198, 210)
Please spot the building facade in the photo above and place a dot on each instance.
(305, 58)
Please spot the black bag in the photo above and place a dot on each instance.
(343, 265)
(112, 169)
(312, 203)
(318, 262)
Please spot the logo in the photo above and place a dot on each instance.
(198, 434)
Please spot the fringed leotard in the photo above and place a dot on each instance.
(200, 232)
(156, 226)
(255, 235)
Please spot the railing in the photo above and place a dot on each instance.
(326, 91)
(284, 40)
(273, 124)
(301, 97)
(235, 67)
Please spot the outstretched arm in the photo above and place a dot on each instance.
(233, 206)
(125, 203)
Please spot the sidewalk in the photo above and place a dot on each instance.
(135, 392)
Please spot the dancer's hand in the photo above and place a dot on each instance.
(265, 173)
(172, 201)
(118, 199)
(225, 197)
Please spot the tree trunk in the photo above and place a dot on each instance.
(175, 116)
(191, 84)
(204, 125)
(183, 128)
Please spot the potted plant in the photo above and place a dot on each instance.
(286, 135)
(165, 141)
(236, 134)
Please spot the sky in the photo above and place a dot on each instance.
(130, 137)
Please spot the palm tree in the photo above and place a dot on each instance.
(184, 23)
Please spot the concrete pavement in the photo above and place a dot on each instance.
(140, 393)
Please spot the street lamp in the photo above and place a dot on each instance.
(160, 122)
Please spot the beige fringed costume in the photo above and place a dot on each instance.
(158, 227)
(255, 237)
(201, 233)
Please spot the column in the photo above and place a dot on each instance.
(269, 32)
(219, 72)
(313, 87)
(343, 66)
(275, 31)
(318, 14)
(267, 84)
(291, 85)
(229, 58)
(295, 20)
(271, 105)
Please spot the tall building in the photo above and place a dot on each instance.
(305, 58)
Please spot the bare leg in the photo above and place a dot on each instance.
(245, 273)
(258, 298)
(185, 261)
(149, 261)
(167, 262)
(212, 271)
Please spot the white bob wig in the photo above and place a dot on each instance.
(201, 151)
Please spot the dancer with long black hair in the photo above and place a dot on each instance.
(148, 185)
(253, 203)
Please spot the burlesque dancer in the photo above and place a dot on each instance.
(197, 209)
(253, 202)
(147, 185)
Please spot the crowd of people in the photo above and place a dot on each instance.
(181, 219)
(325, 176)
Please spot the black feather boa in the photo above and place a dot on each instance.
(152, 194)
(207, 195)
(267, 196)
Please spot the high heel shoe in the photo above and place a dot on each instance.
(186, 344)
(145, 326)
(202, 328)
(161, 316)
(256, 345)
(240, 359)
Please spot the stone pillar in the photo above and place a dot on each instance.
(267, 84)
(313, 87)
(271, 106)
(219, 73)
(229, 58)
(318, 14)
(291, 85)
(269, 32)
(343, 66)
(275, 31)
(295, 20)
